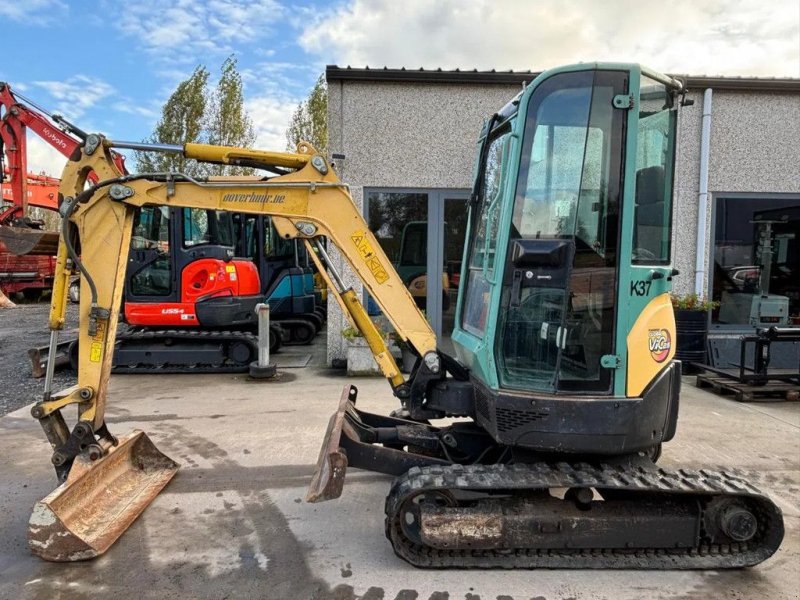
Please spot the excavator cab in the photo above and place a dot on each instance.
(182, 271)
(283, 271)
(567, 270)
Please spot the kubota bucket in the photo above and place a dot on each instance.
(25, 241)
(85, 515)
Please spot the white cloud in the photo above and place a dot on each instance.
(131, 107)
(270, 119)
(725, 37)
(33, 12)
(283, 80)
(77, 94)
(188, 31)
(43, 158)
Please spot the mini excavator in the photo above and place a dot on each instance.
(564, 380)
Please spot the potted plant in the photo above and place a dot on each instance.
(359, 357)
(691, 324)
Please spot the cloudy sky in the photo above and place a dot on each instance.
(109, 65)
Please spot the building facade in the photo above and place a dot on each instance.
(409, 140)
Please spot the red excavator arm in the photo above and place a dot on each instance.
(42, 192)
(15, 119)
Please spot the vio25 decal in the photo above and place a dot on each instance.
(660, 344)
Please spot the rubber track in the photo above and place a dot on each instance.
(203, 336)
(287, 323)
(703, 483)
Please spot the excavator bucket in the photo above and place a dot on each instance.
(328, 479)
(24, 241)
(41, 354)
(85, 515)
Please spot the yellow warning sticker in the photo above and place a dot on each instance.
(230, 269)
(377, 269)
(367, 252)
(96, 349)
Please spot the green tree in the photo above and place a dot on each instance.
(227, 121)
(182, 119)
(309, 121)
(191, 114)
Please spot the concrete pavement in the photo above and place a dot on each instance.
(232, 524)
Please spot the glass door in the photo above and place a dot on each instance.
(447, 227)
(422, 232)
(557, 312)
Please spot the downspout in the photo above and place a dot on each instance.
(702, 199)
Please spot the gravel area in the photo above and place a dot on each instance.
(22, 328)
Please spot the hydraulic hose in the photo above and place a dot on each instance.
(69, 209)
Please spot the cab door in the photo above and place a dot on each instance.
(150, 273)
(543, 262)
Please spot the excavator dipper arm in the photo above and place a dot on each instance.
(307, 202)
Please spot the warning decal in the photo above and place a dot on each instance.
(368, 254)
(96, 348)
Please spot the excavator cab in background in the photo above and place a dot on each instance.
(564, 385)
(310, 280)
(182, 271)
(286, 278)
(189, 302)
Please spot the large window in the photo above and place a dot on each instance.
(207, 227)
(756, 276)
(652, 216)
(151, 228)
(422, 233)
(557, 310)
(247, 233)
(390, 214)
(151, 234)
(485, 216)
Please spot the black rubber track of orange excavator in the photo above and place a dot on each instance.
(175, 351)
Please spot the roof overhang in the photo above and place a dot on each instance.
(475, 77)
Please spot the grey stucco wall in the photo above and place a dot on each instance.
(403, 136)
(423, 136)
(755, 148)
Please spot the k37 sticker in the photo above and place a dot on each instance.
(640, 288)
(660, 343)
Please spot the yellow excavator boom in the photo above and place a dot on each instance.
(308, 201)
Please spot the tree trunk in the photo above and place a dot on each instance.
(5, 302)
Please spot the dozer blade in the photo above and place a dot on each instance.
(328, 479)
(85, 515)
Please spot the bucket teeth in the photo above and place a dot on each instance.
(84, 516)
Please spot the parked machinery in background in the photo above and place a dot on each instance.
(751, 301)
(189, 303)
(27, 258)
(287, 278)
